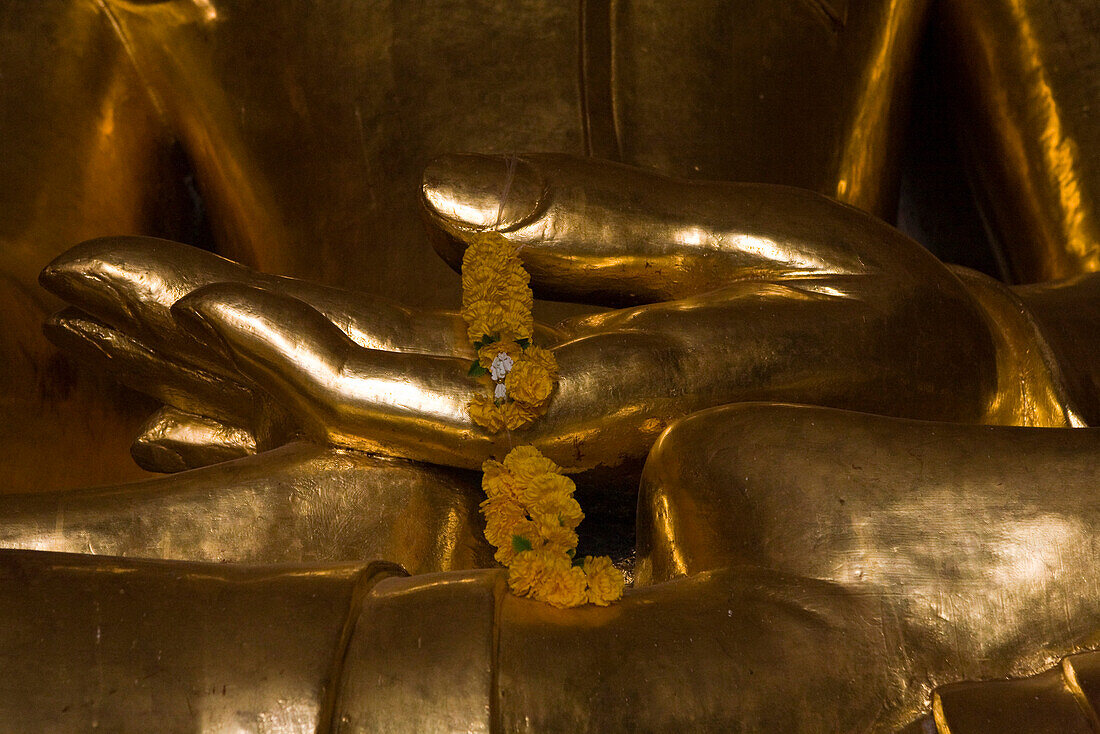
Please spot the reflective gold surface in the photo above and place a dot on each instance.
(1066, 313)
(747, 292)
(799, 569)
(296, 503)
(353, 99)
(879, 544)
(172, 440)
(144, 646)
(987, 500)
(978, 540)
(744, 647)
(304, 129)
(1062, 699)
(1028, 90)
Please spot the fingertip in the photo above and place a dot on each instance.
(472, 192)
(52, 277)
(60, 324)
(65, 275)
(252, 326)
(74, 331)
(204, 315)
(155, 457)
(131, 282)
(128, 282)
(173, 440)
(233, 318)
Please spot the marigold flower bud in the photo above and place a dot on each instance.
(563, 587)
(529, 382)
(527, 462)
(485, 413)
(531, 568)
(605, 582)
(560, 506)
(544, 485)
(557, 536)
(517, 415)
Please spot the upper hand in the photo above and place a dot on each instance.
(735, 290)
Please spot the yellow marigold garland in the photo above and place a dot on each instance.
(496, 306)
(530, 514)
(532, 518)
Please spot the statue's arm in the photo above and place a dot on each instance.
(131, 645)
(300, 502)
(980, 540)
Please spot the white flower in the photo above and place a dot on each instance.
(499, 392)
(502, 363)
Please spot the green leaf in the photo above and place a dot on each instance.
(490, 339)
(476, 370)
(520, 544)
(479, 344)
(523, 343)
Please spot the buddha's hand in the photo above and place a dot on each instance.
(128, 320)
(733, 292)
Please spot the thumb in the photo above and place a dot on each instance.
(601, 232)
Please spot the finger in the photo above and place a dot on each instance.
(405, 405)
(172, 441)
(184, 386)
(130, 283)
(605, 233)
(375, 323)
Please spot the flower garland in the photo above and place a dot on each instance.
(531, 518)
(530, 514)
(496, 306)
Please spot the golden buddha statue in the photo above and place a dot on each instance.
(801, 569)
(303, 133)
(843, 609)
